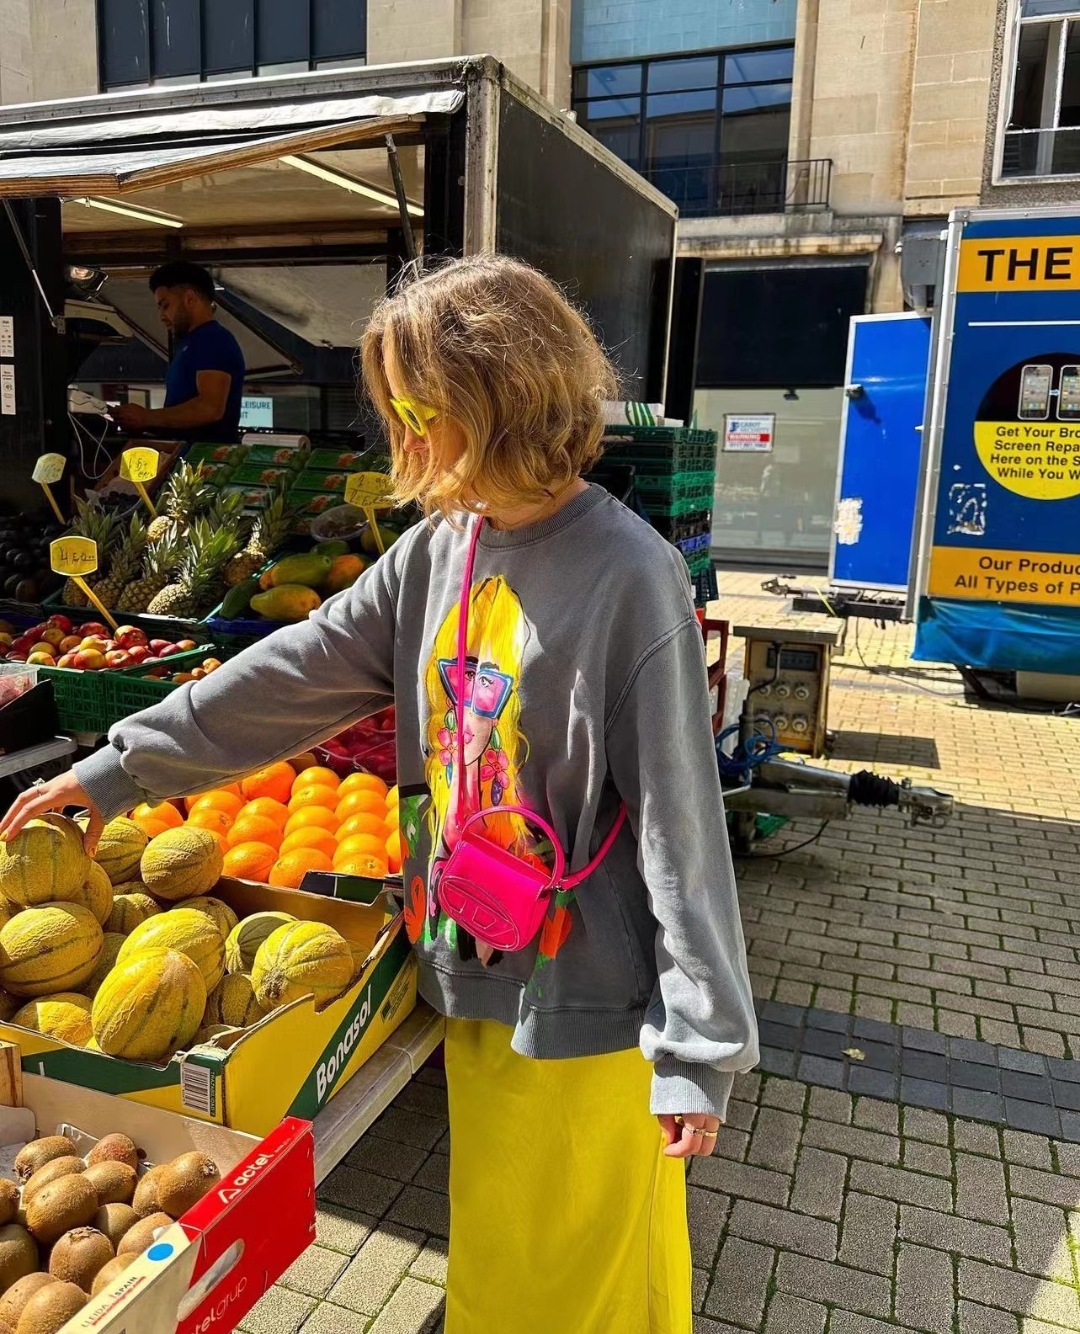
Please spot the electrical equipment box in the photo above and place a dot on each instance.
(788, 668)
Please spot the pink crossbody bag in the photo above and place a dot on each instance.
(498, 897)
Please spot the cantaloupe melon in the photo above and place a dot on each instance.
(131, 908)
(149, 1006)
(301, 959)
(110, 948)
(47, 949)
(96, 893)
(244, 940)
(220, 912)
(64, 1016)
(44, 862)
(192, 933)
(233, 1003)
(120, 850)
(182, 863)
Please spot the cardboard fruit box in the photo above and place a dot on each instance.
(289, 1064)
(209, 1269)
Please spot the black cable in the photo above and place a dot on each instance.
(768, 856)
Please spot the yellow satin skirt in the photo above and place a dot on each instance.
(565, 1217)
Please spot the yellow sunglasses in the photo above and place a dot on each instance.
(415, 416)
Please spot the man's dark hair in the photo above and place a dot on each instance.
(182, 273)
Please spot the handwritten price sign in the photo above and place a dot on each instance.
(140, 466)
(73, 555)
(371, 491)
(49, 469)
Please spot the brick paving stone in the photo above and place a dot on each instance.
(362, 1191)
(314, 1272)
(413, 1309)
(929, 1126)
(985, 1320)
(947, 1232)
(778, 1227)
(279, 1312)
(330, 1319)
(740, 1180)
(1068, 1158)
(970, 1137)
(868, 1233)
(776, 1140)
(741, 1282)
(426, 1210)
(924, 1288)
(1045, 1186)
(819, 1281)
(401, 1162)
(980, 1189)
(342, 1229)
(847, 1322)
(431, 1262)
(732, 1144)
(1022, 1294)
(1027, 1150)
(787, 1094)
(741, 1115)
(400, 1126)
(435, 1174)
(703, 1325)
(870, 1114)
(374, 1273)
(930, 1158)
(819, 1184)
(895, 1183)
(829, 1105)
(707, 1211)
(791, 1315)
(699, 1287)
(855, 1143)
(1042, 1240)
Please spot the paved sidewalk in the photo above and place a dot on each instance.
(908, 1157)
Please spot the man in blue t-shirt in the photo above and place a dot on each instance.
(204, 384)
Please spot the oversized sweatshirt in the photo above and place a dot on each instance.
(585, 685)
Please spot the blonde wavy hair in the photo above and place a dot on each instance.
(496, 348)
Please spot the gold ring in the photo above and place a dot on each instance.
(709, 1134)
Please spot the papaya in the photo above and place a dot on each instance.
(286, 602)
(344, 572)
(238, 599)
(308, 568)
(332, 549)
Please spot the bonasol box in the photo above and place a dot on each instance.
(289, 1064)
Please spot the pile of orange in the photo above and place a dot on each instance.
(291, 818)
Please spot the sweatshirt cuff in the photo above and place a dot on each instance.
(679, 1087)
(107, 784)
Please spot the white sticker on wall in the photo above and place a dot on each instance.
(7, 336)
(7, 391)
(849, 522)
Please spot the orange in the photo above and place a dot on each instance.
(189, 802)
(392, 798)
(393, 851)
(151, 828)
(219, 800)
(220, 839)
(271, 809)
(255, 829)
(289, 871)
(313, 817)
(365, 844)
(315, 776)
(305, 761)
(275, 781)
(326, 797)
(319, 839)
(363, 799)
(364, 823)
(393, 817)
(250, 861)
(207, 817)
(367, 867)
(165, 814)
(361, 782)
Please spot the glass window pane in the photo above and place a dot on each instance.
(228, 35)
(757, 135)
(677, 105)
(284, 31)
(623, 140)
(756, 96)
(175, 29)
(1034, 9)
(667, 76)
(1070, 83)
(759, 66)
(340, 28)
(605, 108)
(1031, 62)
(124, 37)
(608, 80)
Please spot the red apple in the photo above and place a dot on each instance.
(158, 673)
(111, 644)
(130, 636)
(93, 628)
(118, 657)
(16, 657)
(94, 643)
(61, 623)
(33, 634)
(139, 653)
(89, 660)
(69, 643)
(158, 644)
(68, 660)
(168, 650)
(53, 635)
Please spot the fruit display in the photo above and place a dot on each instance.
(370, 745)
(73, 1223)
(295, 585)
(25, 575)
(89, 646)
(157, 964)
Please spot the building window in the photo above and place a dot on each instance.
(1043, 134)
(157, 41)
(710, 130)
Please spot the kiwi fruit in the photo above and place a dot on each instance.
(18, 1255)
(69, 1165)
(114, 1220)
(9, 1201)
(49, 1309)
(138, 1238)
(114, 1181)
(114, 1149)
(145, 1200)
(41, 1151)
(80, 1255)
(184, 1182)
(60, 1206)
(16, 1297)
(110, 1272)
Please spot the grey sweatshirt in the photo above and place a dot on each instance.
(586, 683)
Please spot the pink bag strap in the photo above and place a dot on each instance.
(464, 821)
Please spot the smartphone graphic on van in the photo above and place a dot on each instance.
(1068, 409)
(1036, 384)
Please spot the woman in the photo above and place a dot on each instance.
(576, 686)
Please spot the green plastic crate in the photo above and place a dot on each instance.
(662, 435)
(82, 703)
(663, 458)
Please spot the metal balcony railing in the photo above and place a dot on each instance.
(1041, 153)
(732, 188)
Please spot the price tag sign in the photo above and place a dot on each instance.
(140, 466)
(73, 556)
(371, 491)
(49, 468)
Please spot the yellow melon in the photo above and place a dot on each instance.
(182, 863)
(43, 863)
(51, 948)
(120, 849)
(111, 943)
(244, 940)
(96, 893)
(149, 1006)
(220, 912)
(64, 1016)
(131, 908)
(233, 1002)
(301, 959)
(186, 931)
(8, 1005)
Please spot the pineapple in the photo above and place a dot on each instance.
(160, 560)
(198, 580)
(270, 529)
(102, 527)
(125, 564)
(184, 497)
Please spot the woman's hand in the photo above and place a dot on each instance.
(690, 1136)
(53, 796)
